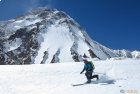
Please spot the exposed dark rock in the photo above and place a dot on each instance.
(75, 56)
(105, 52)
(85, 56)
(2, 59)
(87, 42)
(74, 53)
(92, 54)
(45, 57)
(55, 57)
(19, 33)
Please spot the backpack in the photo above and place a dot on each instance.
(93, 67)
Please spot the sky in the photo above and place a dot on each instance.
(113, 23)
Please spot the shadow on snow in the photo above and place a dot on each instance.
(104, 80)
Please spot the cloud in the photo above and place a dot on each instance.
(31, 5)
(48, 3)
(38, 3)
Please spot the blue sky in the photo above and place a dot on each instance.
(113, 23)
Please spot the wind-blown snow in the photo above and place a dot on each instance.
(115, 76)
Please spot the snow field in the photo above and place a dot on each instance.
(115, 75)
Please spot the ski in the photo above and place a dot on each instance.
(78, 84)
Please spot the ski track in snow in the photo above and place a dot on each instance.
(115, 75)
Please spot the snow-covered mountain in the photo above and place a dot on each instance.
(127, 54)
(47, 36)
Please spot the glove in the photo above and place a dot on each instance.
(81, 72)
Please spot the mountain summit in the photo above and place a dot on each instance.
(47, 36)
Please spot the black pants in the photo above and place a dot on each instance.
(89, 76)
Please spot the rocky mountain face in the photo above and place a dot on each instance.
(48, 36)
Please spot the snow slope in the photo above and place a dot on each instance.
(116, 76)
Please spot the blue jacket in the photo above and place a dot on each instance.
(88, 67)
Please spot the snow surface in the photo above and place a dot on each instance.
(53, 40)
(136, 54)
(116, 76)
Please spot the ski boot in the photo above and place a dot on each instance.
(89, 81)
(97, 77)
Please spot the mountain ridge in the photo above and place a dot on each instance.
(48, 36)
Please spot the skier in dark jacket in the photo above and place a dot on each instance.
(89, 67)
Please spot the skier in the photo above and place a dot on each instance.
(89, 67)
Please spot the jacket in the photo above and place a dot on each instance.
(88, 67)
